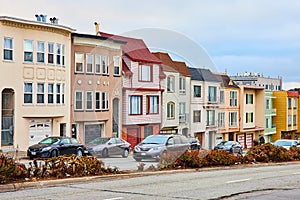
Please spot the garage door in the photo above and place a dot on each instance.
(133, 136)
(92, 131)
(38, 130)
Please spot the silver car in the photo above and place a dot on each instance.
(153, 146)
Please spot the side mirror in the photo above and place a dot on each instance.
(109, 143)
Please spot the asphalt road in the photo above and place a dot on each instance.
(260, 182)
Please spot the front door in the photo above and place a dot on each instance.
(133, 136)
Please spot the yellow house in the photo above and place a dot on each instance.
(34, 80)
(286, 104)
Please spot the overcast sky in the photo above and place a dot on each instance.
(238, 35)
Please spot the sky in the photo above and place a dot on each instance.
(260, 36)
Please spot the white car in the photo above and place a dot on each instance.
(286, 143)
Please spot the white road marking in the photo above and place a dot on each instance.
(296, 173)
(238, 181)
(116, 198)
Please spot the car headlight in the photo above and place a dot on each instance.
(136, 148)
(46, 149)
(156, 148)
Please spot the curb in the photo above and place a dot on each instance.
(55, 182)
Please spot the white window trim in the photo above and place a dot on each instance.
(82, 62)
(50, 53)
(12, 49)
(75, 100)
(40, 93)
(86, 100)
(97, 56)
(92, 62)
(32, 93)
(118, 65)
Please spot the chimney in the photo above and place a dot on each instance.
(54, 20)
(97, 28)
(41, 18)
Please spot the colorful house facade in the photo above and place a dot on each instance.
(35, 80)
(96, 96)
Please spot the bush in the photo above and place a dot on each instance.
(220, 158)
(10, 170)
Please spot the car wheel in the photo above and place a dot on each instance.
(79, 153)
(105, 153)
(125, 153)
(54, 153)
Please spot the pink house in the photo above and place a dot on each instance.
(142, 90)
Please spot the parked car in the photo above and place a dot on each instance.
(153, 146)
(55, 146)
(230, 146)
(194, 143)
(286, 143)
(104, 147)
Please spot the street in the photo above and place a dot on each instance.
(260, 182)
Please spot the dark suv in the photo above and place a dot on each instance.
(153, 146)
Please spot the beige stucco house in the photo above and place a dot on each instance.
(34, 80)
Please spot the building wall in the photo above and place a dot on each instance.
(15, 73)
(94, 82)
(186, 98)
(280, 103)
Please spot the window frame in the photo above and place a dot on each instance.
(197, 95)
(104, 101)
(28, 48)
(221, 119)
(232, 119)
(152, 108)
(25, 93)
(195, 117)
(139, 104)
(210, 113)
(89, 100)
(89, 63)
(97, 64)
(249, 98)
(9, 49)
(58, 93)
(117, 64)
(98, 100)
(104, 65)
(51, 53)
(78, 103)
(79, 59)
(182, 85)
(58, 54)
(148, 76)
(233, 98)
(40, 52)
(170, 110)
(40, 93)
(171, 83)
(50, 93)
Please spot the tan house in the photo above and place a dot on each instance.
(252, 115)
(287, 106)
(229, 107)
(96, 86)
(35, 80)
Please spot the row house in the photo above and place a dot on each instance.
(252, 115)
(229, 107)
(142, 90)
(287, 104)
(204, 106)
(96, 89)
(176, 97)
(35, 80)
(270, 114)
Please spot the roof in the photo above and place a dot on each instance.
(226, 81)
(182, 68)
(97, 37)
(201, 74)
(292, 94)
(135, 49)
(167, 62)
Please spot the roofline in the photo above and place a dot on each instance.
(25, 21)
(97, 37)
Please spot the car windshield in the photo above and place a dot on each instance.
(49, 140)
(225, 143)
(155, 140)
(99, 141)
(283, 143)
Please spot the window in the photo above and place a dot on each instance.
(89, 63)
(197, 116)
(79, 59)
(117, 65)
(171, 110)
(221, 119)
(289, 120)
(63, 50)
(145, 73)
(171, 84)
(268, 104)
(8, 49)
(104, 65)
(268, 123)
(58, 54)
(197, 91)
(222, 96)
(182, 85)
(78, 100)
(40, 55)
(294, 120)
(152, 104)
(212, 93)
(63, 93)
(289, 103)
(28, 93)
(135, 105)
(249, 117)
(295, 103)
(182, 111)
(97, 100)
(40, 93)
(89, 100)
(58, 93)
(233, 98)
(148, 130)
(28, 50)
(249, 98)
(104, 101)
(50, 93)
(50, 53)
(232, 119)
(210, 118)
(98, 64)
